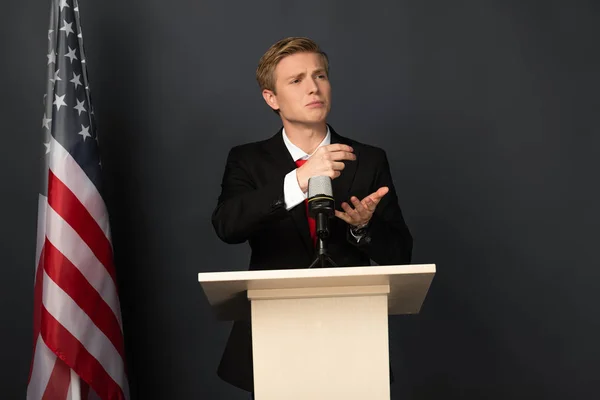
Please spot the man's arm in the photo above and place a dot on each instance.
(386, 238)
(242, 207)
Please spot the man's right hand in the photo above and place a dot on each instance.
(326, 161)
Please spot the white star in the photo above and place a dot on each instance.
(80, 36)
(47, 147)
(79, 107)
(71, 54)
(67, 28)
(46, 122)
(50, 33)
(63, 4)
(51, 57)
(59, 101)
(76, 9)
(76, 80)
(85, 132)
(56, 77)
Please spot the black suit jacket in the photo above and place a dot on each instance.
(251, 208)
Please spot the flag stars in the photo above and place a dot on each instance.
(85, 132)
(46, 122)
(56, 77)
(79, 107)
(51, 57)
(67, 28)
(47, 145)
(50, 34)
(63, 4)
(76, 80)
(59, 101)
(71, 54)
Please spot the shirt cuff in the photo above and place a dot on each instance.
(292, 194)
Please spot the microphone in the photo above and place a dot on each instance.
(321, 204)
(321, 207)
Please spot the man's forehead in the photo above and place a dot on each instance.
(307, 63)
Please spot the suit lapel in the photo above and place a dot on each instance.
(281, 157)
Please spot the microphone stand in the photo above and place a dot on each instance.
(323, 259)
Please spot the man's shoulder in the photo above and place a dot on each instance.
(252, 148)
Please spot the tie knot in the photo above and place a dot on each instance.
(300, 163)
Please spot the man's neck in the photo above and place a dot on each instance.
(305, 137)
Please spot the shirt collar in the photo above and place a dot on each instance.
(299, 154)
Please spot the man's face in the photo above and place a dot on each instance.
(302, 90)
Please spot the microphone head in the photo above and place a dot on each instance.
(319, 186)
(320, 197)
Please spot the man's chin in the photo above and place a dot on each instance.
(310, 120)
(317, 118)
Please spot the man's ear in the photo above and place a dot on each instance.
(270, 99)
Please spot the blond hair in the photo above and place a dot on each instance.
(265, 73)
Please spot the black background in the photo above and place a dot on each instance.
(488, 111)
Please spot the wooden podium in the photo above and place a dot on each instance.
(319, 333)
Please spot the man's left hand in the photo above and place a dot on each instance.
(363, 210)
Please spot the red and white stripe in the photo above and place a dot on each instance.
(78, 351)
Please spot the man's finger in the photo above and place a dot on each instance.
(358, 206)
(349, 210)
(369, 204)
(339, 147)
(343, 216)
(363, 211)
(377, 196)
(382, 191)
(338, 166)
(354, 215)
(342, 155)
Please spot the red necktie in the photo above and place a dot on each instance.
(312, 225)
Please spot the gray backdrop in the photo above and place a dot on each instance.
(488, 112)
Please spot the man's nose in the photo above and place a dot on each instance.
(312, 86)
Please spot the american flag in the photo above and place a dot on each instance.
(78, 350)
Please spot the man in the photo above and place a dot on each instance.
(265, 185)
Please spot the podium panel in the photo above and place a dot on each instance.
(328, 344)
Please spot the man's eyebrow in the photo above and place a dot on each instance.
(299, 75)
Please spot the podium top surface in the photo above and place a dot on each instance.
(226, 291)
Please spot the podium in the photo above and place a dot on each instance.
(319, 333)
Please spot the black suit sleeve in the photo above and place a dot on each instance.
(243, 207)
(387, 239)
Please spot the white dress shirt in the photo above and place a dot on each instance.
(292, 194)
